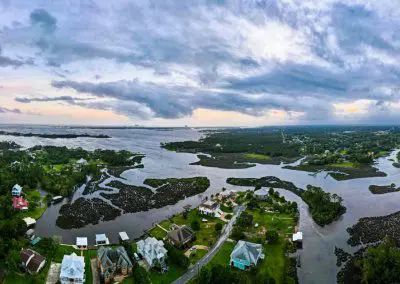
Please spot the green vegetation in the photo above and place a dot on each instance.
(276, 267)
(349, 150)
(52, 136)
(375, 264)
(324, 207)
(382, 189)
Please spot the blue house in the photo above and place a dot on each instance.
(246, 255)
(16, 190)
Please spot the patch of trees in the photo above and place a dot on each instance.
(219, 274)
(324, 207)
(177, 257)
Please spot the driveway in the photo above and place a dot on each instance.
(192, 272)
(54, 273)
(95, 274)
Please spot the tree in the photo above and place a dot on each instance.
(218, 227)
(177, 257)
(13, 260)
(381, 264)
(195, 225)
(140, 275)
(272, 236)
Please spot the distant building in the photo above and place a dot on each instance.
(210, 208)
(246, 255)
(101, 239)
(261, 194)
(297, 237)
(20, 203)
(16, 190)
(113, 262)
(152, 250)
(81, 242)
(72, 269)
(32, 261)
(180, 236)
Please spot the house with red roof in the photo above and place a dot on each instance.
(20, 203)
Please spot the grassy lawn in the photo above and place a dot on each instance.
(197, 255)
(63, 250)
(223, 255)
(168, 277)
(207, 234)
(158, 233)
(255, 156)
(343, 165)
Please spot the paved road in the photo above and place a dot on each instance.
(192, 272)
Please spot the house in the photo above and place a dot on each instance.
(210, 208)
(16, 190)
(246, 255)
(82, 162)
(72, 269)
(29, 221)
(30, 234)
(152, 250)
(20, 203)
(32, 261)
(81, 242)
(101, 239)
(261, 194)
(180, 236)
(113, 262)
(123, 236)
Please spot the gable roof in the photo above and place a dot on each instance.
(181, 234)
(152, 248)
(26, 254)
(72, 266)
(261, 192)
(31, 259)
(111, 259)
(250, 252)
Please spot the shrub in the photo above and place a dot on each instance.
(218, 227)
(195, 225)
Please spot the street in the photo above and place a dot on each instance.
(192, 272)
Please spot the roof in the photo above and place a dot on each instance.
(152, 248)
(31, 259)
(250, 252)
(81, 161)
(101, 238)
(72, 266)
(29, 221)
(209, 204)
(20, 203)
(111, 259)
(81, 241)
(181, 234)
(261, 192)
(17, 187)
(123, 236)
(35, 262)
(26, 254)
(35, 241)
(297, 237)
(57, 197)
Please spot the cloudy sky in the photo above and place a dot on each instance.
(203, 62)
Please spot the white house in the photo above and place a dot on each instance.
(152, 250)
(81, 242)
(16, 190)
(210, 208)
(72, 269)
(29, 221)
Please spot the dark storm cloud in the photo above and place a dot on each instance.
(48, 99)
(8, 110)
(42, 18)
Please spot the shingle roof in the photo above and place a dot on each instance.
(181, 234)
(247, 251)
(261, 192)
(25, 254)
(72, 266)
(35, 262)
(111, 259)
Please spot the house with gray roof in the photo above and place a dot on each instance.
(246, 255)
(180, 236)
(72, 269)
(261, 194)
(113, 262)
(16, 190)
(153, 251)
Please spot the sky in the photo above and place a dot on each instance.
(199, 63)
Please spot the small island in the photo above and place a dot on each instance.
(382, 189)
(324, 207)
